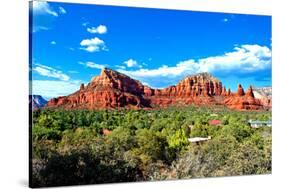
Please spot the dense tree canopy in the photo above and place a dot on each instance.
(71, 147)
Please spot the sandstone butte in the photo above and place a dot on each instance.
(114, 90)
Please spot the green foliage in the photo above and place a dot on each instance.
(46, 133)
(151, 145)
(80, 167)
(247, 159)
(70, 147)
(121, 140)
(239, 131)
(178, 141)
(199, 131)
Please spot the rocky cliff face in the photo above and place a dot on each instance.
(196, 89)
(264, 94)
(242, 100)
(112, 89)
(37, 102)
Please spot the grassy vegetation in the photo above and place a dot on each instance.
(70, 148)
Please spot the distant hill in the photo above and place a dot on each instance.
(263, 92)
(37, 101)
(112, 89)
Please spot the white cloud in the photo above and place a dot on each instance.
(50, 88)
(50, 72)
(53, 43)
(131, 63)
(120, 67)
(244, 59)
(93, 45)
(62, 10)
(41, 7)
(163, 71)
(225, 20)
(39, 28)
(92, 65)
(94, 41)
(85, 24)
(101, 29)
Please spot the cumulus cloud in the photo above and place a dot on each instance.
(62, 10)
(94, 41)
(244, 60)
(92, 65)
(50, 88)
(93, 45)
(42, 7)
(50, 72)
(131, 63)
(64, 85)
(101, 29)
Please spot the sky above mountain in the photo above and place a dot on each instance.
(72, 42)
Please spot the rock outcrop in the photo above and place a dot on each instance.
(36, 102)
(111, 90)
(264, 94)
(243, 101)
(240, 90)
(250, 93)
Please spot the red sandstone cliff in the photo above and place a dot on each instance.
(243, 101)
(112, 89)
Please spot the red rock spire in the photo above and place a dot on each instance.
(240, 90)
(249, 92)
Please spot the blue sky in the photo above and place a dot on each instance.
(72, 42)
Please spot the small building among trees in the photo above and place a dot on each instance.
(199, 140)
(258, 123)
(214, 122)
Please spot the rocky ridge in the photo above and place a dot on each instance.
(37, 101)
(111, 90)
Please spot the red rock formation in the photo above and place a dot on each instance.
(228, 92)
(148, 91)
(112, 89)
(202, 84)
(224, 92)
(249, 92)
(109, 90)
(242, 101)
(240, 91)
(82, 87)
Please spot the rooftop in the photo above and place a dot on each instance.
(214, 122)
(260, 122)
(199, 139)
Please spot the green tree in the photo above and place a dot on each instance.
(199, 131)
(178, 141)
